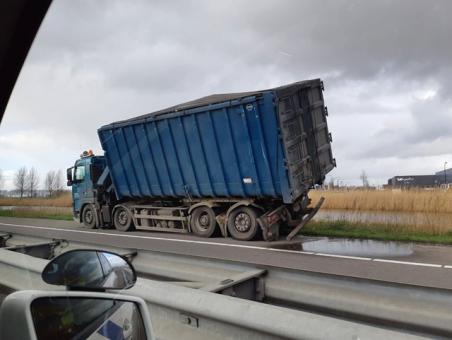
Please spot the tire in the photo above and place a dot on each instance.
(89, 217)
(203, 222)
(122, 220)
(242, 224)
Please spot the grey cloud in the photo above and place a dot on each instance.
(425, 131)
(405, 38)
(95, 62)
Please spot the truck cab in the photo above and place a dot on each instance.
(83, 178)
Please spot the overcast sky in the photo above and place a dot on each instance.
(387, 68)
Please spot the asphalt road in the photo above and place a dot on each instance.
(428, 266)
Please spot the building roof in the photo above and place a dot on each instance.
(448, 172)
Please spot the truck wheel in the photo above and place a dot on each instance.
(122, 220)
(203, 222)
(89, 217)
(242, 224)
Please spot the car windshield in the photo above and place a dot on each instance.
(267, 167)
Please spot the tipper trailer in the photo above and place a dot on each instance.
(239, 164)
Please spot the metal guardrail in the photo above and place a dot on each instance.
(334, 307)
(426, 310)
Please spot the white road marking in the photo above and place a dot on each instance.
(410, 263)
(143, 237)
(238, 246)
(345, 256)
(289, 251)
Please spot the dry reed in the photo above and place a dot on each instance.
(424, 201)
(63, 200)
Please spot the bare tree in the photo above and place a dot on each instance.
(59, 181)
(49, 182)
(1, 180)
(363, 177)
(20, 181)
(32, 182)
(53, 182)
(331, 184)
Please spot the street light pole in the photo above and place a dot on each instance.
(445, 173)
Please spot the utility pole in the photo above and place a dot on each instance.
(445, 173)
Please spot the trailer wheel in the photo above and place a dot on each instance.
(242, 224)
(122, 220)
(89, 217)
(203, 222)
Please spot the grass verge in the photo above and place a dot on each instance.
(386, 232)
(36, 214)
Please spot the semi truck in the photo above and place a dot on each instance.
(236, 164)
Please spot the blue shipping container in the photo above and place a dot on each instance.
(265, 144)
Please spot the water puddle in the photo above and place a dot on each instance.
(368, 248)
(353, 247)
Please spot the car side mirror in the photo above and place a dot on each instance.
(90, 270)
(85, 310)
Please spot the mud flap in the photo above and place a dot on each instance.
(221, 220)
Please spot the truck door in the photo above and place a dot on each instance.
(79, 185)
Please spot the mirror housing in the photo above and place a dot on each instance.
(86, 269)
(31, 314)
(69, 176)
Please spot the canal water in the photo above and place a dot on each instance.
(437, 221)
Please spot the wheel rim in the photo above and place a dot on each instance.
(203, 221)
(123, 217)
(88, 216)
(242, 222)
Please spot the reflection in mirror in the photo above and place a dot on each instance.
(90, 269)
(86, 318)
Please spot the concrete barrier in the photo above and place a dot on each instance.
(179, 312)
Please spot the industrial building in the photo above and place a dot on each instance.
(445, 174)
(419, 181)
(422, 181)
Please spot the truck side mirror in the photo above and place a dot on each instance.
(69, 176)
